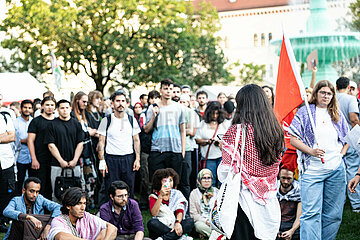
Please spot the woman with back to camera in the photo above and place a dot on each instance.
(322, 184)
(258, 212)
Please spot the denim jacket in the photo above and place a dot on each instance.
(17, 206)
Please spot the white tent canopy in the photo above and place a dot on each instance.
(20, 86)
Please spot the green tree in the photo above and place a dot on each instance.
(251, 73)
(129, 42)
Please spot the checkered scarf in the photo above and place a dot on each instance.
(258, 177)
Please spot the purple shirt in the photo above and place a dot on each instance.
(130, 223)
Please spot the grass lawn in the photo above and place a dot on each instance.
(349, 229)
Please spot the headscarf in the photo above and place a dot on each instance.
(137, 116)
(207, 193)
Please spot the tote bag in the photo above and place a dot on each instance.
(223, 214)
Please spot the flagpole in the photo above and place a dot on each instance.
(301, 86)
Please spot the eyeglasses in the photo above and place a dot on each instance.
(122, 196)
(206, 178)
(323, 93)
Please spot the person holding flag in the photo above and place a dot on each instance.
(322, 174)
(320, 148)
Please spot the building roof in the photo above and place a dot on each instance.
(232, 5)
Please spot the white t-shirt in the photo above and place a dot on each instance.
(119, 139)
(328, 139)
(205, 132)
(6, 152)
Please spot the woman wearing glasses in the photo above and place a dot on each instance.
(202, 200)
(322, 174)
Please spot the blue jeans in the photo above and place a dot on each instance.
(322, 201)
(352, 161)
(212, 165)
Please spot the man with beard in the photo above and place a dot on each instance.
(40, 154)
(202, 99)
(290, 204)
(176, 92)
(123, 212)
(65, 141)
(119, 139)
(27, 213)
(76, 224)
(21, 124)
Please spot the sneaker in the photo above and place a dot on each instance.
(3, 228)
(185, 237)
(159, 238)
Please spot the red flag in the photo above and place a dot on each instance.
(289, 86)
(289, 89)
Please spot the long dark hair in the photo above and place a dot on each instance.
(253, 108)
(210, 109)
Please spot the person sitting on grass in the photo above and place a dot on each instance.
(168, 207)
(76, 224)
(27, 213)
(202, 200)
(123, 212)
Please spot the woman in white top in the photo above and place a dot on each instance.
(322, 174)
(208, 136)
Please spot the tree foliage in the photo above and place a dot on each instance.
(251, 73)
(129, 42)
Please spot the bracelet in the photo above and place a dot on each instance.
(357, 174)
(177, 221)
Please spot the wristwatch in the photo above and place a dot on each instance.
(357, 174)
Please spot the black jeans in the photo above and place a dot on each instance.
(185, 175)
(21, 176)
(43, 173)
(158, 160)
(7, 189)
(243, 229)
(158, 229)
(145, 185)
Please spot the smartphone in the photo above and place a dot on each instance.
(166, 183)
(220, 136)
(313, 63)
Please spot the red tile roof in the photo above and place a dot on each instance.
(231, 5)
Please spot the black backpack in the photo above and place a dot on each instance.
(4, 115)
(145, 140)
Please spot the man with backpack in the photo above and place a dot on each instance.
(7, 175)
(118, 143)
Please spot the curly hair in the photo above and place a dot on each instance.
(210, 109)
(160, 174)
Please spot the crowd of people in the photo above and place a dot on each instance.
(175, 149)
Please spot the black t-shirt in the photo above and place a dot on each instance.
(65, 135)
(40, 126)
(93, 119)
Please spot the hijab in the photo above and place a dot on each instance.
(207, 193)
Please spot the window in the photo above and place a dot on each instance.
(270, 37)
(263, 39)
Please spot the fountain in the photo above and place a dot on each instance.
(332, 46)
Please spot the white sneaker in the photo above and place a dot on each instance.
(159, 238)
(184, 237)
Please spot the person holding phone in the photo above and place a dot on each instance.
(213, 124)
(168, 207)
